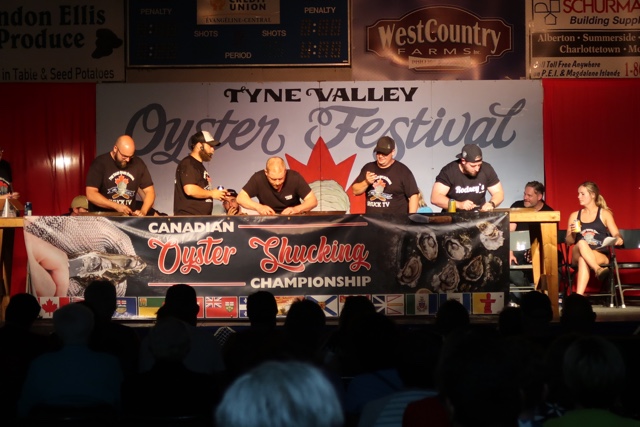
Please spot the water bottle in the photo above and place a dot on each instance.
(27, 209)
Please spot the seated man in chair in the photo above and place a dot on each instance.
(533, 197)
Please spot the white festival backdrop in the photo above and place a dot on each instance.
(429, 120)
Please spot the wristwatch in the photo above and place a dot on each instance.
(492, 204)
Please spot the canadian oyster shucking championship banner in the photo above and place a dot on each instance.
(407, 265)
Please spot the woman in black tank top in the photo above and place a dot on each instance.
(596, 223)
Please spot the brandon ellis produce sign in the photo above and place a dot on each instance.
(439, 38)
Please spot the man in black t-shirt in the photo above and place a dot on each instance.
(467, 181)
(116, 177)
(533, 198)
(279, 191)
(389, 185)
(193, 193)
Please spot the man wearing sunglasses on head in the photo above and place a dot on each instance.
(116, 177)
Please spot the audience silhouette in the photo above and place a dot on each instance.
(577, 315)
(74, 376)
(19, 347)
(304, 329)
(375, 343)
(451, 316)
(594, 373)
(260, 342)
(476, 380)
(108, 336)
(170, 390)
(205, 354)
(335, 349)
(366, 371)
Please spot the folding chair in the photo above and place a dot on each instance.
(631, 244)
(615, 291)
(614, 278)
(520, 241)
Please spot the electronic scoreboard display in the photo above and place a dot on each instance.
(237, 33)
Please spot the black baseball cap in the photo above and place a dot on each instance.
(385, 145)
(471, 153)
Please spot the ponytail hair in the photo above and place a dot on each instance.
(595, 191)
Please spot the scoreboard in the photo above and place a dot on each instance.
(238, 33)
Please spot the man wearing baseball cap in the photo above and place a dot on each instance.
(193, 193)
(230, 204)
(79, 205)
(389, 185)
(467, 181)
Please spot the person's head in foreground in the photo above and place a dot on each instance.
(280, 394)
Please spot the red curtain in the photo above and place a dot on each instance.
(591, 134)
(50, 141)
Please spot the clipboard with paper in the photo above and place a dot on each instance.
(608, 241)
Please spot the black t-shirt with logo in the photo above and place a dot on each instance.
(118, 185)
(463, 187)
(390, 193)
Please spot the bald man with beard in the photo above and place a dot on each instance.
(279, 191)
(116, 177)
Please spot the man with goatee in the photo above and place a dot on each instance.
(116, 177)
(193, 193)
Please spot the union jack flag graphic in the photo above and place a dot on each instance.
(221, 307)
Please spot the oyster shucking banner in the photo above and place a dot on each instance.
(407, 265)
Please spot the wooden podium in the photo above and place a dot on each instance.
(7, 234)
(543, 228)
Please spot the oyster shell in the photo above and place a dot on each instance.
(447, 280)
(457, 248)
(98, 265)
(474, 269)
(428, 244)
(492, 267)
(410, 272)
(491, 236)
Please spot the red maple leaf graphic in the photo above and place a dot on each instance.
(49, 306)
(121, 178)
(321, 166)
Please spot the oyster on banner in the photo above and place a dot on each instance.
(428, 244)
(447, 280)
(457, 248)
(492, 267)
(410, 272)
(490, 235)
(474, 270)
(99, 265)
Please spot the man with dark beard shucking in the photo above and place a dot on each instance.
(193, 193)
